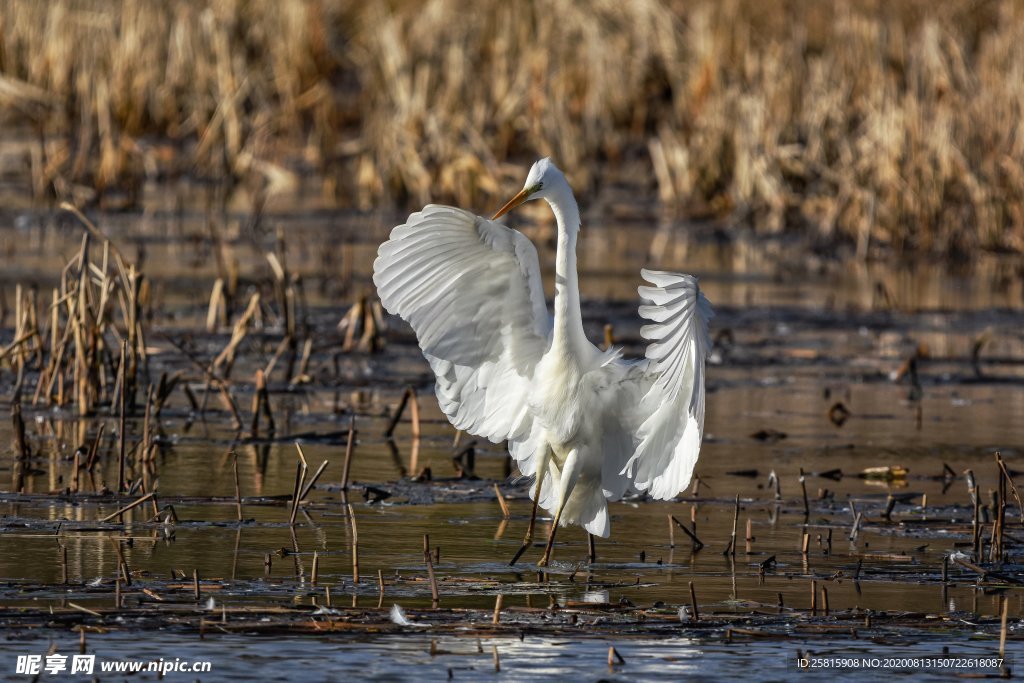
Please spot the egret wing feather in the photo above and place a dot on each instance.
(471, 289)
(669, 418)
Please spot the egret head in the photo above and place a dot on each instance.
(543, 178)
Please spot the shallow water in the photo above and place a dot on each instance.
(791, 342)
(391, 658)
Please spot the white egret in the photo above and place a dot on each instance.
(589, 425)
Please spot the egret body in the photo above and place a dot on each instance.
(589, 425)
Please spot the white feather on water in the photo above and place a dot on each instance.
(398, 617)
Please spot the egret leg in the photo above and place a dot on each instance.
(551, 539)
(542, 470)
(569, 473)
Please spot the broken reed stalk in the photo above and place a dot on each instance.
(697, 543)
(121, 437)
(731, 550)
(814, 597)
(824, 600)
(505, 512)
(352, 317)
(409, 393)
(496, 618)
(415, 415)
(749, 537)
(229, 403)
(890, 505)
(614, 656)
(84, 609)
(217, 309)
(21, 443)
(359, 314)
(803, 488)
(693, 603)
(307, 352)
(146, 436)
(267, 413)
(389, 432)
(128, 507)
(972, 489)
(238, 334)
(497, 660)
(1009, 481)
(349, 447)
(773, 481)
(257, 397)
(312, 482)
(355, 547)
(1002, 628)
(261, 406)
(23, 454)
(195, 584)
(414, 459)
(316, 568)
(671, 531)
(300, 475)
(122, 564)
(997, 552)
(238, 488)
(380, 587)
(995, 537)
(434, 597)
(855, 529)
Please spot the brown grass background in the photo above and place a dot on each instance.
(891, 127)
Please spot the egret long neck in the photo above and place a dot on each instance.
(568, 334)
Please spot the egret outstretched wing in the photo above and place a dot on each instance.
(670, 416)
(472, 291)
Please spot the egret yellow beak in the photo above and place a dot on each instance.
(523, 195)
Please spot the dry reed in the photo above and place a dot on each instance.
(860, 123)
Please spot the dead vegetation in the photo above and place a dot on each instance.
(877, 125)
(87, 346)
